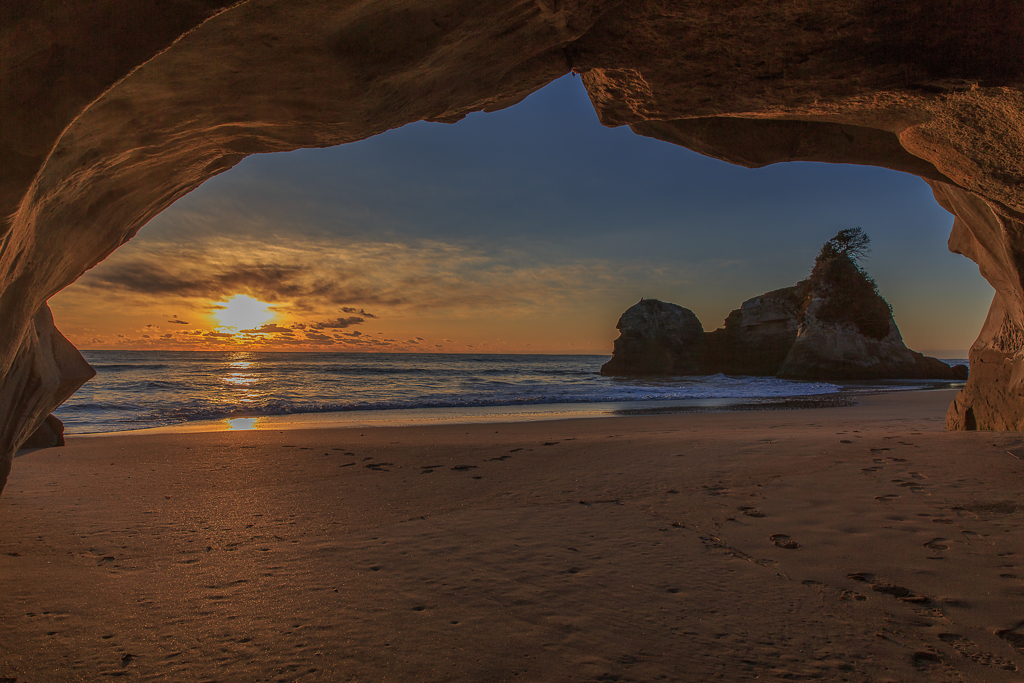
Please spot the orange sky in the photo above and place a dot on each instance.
(526, 230)
(429, 297)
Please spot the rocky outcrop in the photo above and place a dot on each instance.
(758, 335)
(114, 109)
(833, 326)
(47, 370)
(846, 329)
(839, 351)
(48, 435)
(656, 338)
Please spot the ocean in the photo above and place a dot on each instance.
(144, 389)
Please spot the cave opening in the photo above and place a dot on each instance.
(527, 230)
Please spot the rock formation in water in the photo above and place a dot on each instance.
(757, 336)
(846, 329)
(656, 338)
(832, 326)
(114, 109)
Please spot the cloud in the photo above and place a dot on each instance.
(337, 323)
(319, 278)
(179, 322)
(319, 338)
(360, 311)
(269, 328)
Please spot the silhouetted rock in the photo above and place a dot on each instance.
(657, 338)
(832, 326)
(757, 336)
(847, 331)
(49, 434)
(840, 351)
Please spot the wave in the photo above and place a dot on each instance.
(148, 389)
(197, 412)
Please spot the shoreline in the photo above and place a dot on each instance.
(501, 414)
(858, 543)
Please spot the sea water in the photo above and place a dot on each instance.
(142, 389)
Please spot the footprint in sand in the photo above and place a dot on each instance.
(937, 544)
(926, 660)
(968, 649)
(899, 592)
(1014, 636)
(784, 541)
(886, 498)
(751, 511)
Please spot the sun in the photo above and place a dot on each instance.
(242, 312)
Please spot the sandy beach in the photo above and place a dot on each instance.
(851, 544)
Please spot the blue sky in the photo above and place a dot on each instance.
(528, 229)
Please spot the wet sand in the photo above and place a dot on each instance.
(854, 543)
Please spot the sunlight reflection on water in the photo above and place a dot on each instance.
(243, 377)
(241, 423)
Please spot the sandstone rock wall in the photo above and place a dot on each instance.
(113, 109)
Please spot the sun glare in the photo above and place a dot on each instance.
(242, 312)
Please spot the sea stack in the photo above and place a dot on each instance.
(832, 326)
(758, 335)
(657, 338)
(846, 328)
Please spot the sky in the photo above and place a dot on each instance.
(528, 230)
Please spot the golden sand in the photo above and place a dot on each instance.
(859, 544)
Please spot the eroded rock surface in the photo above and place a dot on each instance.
(839, 351)
(114, 109)
(47, 435)
(657, 338)
(846, 329)
(46, 371)
(758, 335)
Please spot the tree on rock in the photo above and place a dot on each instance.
(848, 294)
(853, 243)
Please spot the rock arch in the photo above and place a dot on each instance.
(113, 109)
